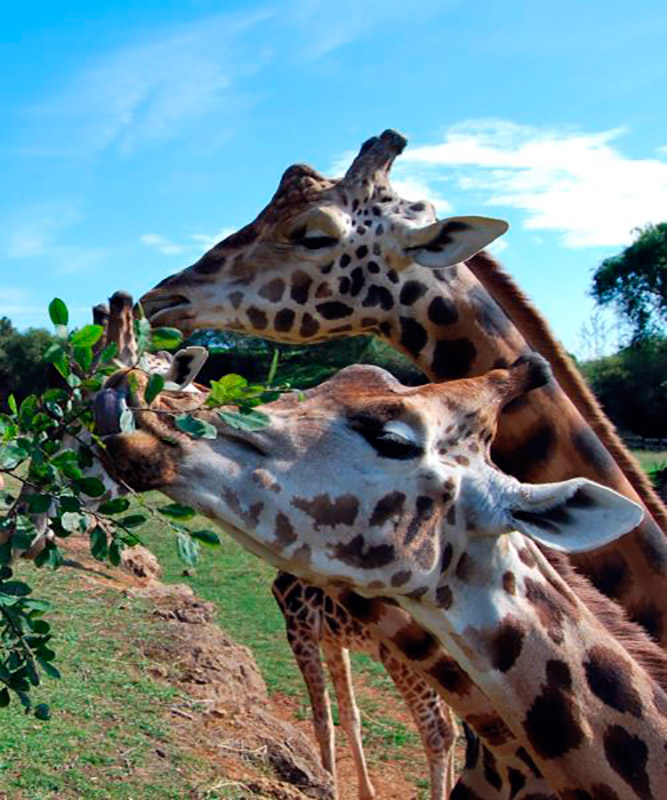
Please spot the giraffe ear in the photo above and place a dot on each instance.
(185, 367)
(450, 241)
(573, 516)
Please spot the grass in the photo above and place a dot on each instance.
(650, 459)
(109, 736)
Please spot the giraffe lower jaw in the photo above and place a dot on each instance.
(159, 307)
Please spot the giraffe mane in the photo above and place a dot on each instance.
(638, 644)
(536, 331)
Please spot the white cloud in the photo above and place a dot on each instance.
(161, 243)
(413, 189)
(32, 232)
(149, 92)
(575, 183)
(208, 240)
(197, 241)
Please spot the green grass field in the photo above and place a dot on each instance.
(650, 459)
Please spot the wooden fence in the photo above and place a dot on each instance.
(644, 443)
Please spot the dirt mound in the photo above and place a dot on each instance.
(225, 713)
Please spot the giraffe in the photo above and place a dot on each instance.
(311, 620)
(417, 518)
(329, 258)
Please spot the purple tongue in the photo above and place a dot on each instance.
(108, 405)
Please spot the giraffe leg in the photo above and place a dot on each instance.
(434, 721)
(303, 639)
(338, 661)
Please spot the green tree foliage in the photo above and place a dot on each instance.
(632, 386)
(636, 281)
(22, 370)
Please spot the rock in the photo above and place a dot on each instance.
(141, 562)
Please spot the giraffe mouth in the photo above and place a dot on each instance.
(156, 308)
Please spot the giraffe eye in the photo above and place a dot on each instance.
(313, 240)
(387, 442)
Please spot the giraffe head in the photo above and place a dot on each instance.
(363, 481)
(325, 258)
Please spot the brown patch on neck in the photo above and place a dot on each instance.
(538, 335)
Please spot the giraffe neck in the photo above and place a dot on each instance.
(451, 326)
(590, 714)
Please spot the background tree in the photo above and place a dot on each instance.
(636, 281)
(22, 368)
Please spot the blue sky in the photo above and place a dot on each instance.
(133, 135)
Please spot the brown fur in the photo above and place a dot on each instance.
(633, 637)
(536, 331)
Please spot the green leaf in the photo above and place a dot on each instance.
(72, 522)
(206, 536)
(4, 698)
(115, 506)
(69, 503)
(166, 338)
(188, 549)
(84, 357)
(11, 402)
(15, 588)
(38, 503)
(28, 409)
(195, 427)
(153, 389)
(245, 421)
(177, 511)
(42, 711)
(11, 456)
(55, 354)
(50, 670)
(132, 521)
(273, 368)
(93, 487)
(115, 550)
(227, 390)
(86, 336)
(58, 312)
(98, 543)
(109, 353)
(142, 329)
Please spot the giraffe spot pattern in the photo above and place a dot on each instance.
(490, 767)
(453, 359)
(411, 292)
(378, 296)
(490, 727)
(357, 553)
(284, 531)
(334, 309)
(627, 756)
(386, 507)
(610, 574)
(309, 326)
(324, 510)
(509, 582)
(413, 335)
(444, 597)
(610, 679)
(442, 311)
(301, 283)
(447, 673)
(284, 320)
(257, 318)
(401, 578)
(549, 605)
(273, 290)
(552, 724)
(506, 644)
(525, 459)
(414, 642)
